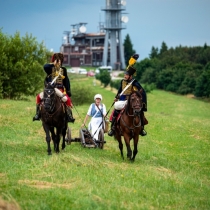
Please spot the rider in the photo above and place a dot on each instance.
(128, 84)
(55, 71)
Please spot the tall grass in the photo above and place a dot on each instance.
(171, 170)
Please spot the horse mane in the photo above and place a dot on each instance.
(48, 85)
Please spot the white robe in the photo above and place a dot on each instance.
(95, 121)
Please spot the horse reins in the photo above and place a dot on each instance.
(52, 104)
(132, 115)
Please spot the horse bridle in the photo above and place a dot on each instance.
(49, 100)
(136, 113)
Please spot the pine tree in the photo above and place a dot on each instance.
(128, 49)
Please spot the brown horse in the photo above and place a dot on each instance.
(129, 124)
(53, 117)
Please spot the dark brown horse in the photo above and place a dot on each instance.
(53, 118)
(129, 125)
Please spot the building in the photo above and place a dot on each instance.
(85, 49)
(98, 49)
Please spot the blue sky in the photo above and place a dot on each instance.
(176, 22)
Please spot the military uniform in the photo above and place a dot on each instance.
(62, 81)
(58, 74)
(124, 92)
(133, 87)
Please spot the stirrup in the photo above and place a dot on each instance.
(143, 133)
(36, 117)
(70, 119)
(111, 132)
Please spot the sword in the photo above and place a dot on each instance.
(59, 74)
(127, 86)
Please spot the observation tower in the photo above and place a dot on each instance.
(115, 20)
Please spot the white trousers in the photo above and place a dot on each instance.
(119, 105)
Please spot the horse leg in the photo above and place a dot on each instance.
(47, 132)
(64, 136)
(127, 142)
(129, 151)
(52, 131)
(135, 151)
(119, 139)
(121, 148)
(58, 132)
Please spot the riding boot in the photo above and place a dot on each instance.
(37, 115)
(144, 122)
(114, 118)
(111, 131)
(69, 115)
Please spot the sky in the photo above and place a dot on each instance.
(151, 22)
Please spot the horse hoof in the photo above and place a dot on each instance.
(49, 153)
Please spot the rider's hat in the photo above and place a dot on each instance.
(57, 56)
(130, 71)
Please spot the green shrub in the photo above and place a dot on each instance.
(22, 69)
(81, 94)
(104, 77)
(149, 87)
(115, 84)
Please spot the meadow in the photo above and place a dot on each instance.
(171, 169)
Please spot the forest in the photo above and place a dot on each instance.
(182, 70)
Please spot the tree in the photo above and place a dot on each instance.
(104, 77)
(141, 67)
(22, 65)
(128, 49)
(202, 87)
(154, 53)
(164, 80)
(163, 48)
(115, 84)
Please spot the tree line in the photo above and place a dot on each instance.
(21, 70)
(182, 70)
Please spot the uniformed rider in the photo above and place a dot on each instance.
(58, 74)
(128, 84)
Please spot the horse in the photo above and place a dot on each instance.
(53, 118)
(129, 124)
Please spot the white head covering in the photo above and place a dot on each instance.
(97, 96)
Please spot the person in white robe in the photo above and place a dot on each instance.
(97, 112)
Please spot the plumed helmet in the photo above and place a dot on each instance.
(97, 96)
(133, 59)
(130, 71)
(57, 56)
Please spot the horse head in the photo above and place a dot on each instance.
(49, 97)
(135, 103)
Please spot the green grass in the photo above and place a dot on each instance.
(171, 170)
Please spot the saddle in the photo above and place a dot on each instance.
(120, 114)
(62, 104)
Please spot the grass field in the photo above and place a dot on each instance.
(171, 170)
